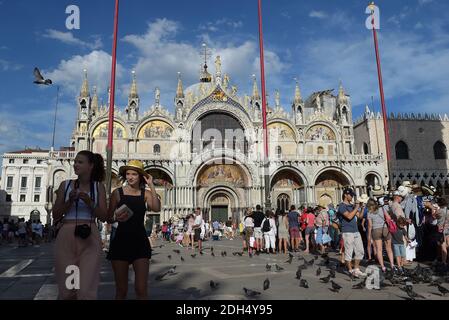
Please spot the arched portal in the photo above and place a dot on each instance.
(288, 187)
(329, 186)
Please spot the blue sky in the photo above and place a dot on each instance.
(321, 42)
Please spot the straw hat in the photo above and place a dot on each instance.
(378, 191)
(134, 165)
(428, 190)
(363, 198)
(403, 191)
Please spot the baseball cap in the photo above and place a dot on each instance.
(349, 191)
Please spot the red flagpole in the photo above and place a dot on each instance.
(262, 79)
(264, 113)
(112, 101)
(382, 99)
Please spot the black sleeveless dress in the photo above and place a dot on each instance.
(131, 242)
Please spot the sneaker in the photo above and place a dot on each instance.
(357, 273)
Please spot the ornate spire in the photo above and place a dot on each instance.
(298, 98)
(341, 94)
(94, 107)
(133, 92)
(205, 76)
(85, 87)
(256, 94)
(179, 90)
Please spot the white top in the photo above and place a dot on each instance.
(198, 220)
(84, 211)
(249, 222)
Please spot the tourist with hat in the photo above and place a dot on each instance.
(349, 214)
(396, 206)
(130, 246)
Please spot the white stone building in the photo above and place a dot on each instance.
(209, 153)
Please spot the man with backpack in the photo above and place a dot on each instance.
(269, 231)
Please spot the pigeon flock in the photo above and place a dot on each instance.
(323, 272)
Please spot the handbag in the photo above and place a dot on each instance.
(391, 225)
(326, 238)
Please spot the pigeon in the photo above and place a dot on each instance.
(212, 249)
(412, 294)
(304, 284)
(193, 255)
(335, 286)
(326, 279)
(177, 251)
(332, 273)
(213, 285)
(318, 272)
(39, 79)
(289, 260)
(278, 268)
(237, 254)
(182, 259)
(327, 261)
(442, 290)
(268, 267)
(251, 293)
(161, 276)
(359, 285)
(201, 252)
(311, 262)
(266, 284)
(212, 254)
(223, 253)
(169, 257)
(172, 270)
(298, 274)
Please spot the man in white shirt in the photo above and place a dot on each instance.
(197, 226)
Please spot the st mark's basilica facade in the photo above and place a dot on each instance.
(209, 153)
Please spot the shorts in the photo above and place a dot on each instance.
(258, 234)
(399, 250)
(353, 245)
(294, 233)
(248, 233)
(310, 230)
(197, 236)
(381, 234)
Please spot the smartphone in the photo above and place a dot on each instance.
(125, 208)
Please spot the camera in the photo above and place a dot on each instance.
(82, 231)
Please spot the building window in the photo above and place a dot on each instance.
(9, 182)
(23, 183)
(22, 198)
(365, 148)
(320, 150)
(11, 161)
(8, 198)
(440, 151)
(37, 184)
(278, 151)
(25, 161)
(37, 198)
(402, 151)
(157, 149)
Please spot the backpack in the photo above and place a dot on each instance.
(266, 226)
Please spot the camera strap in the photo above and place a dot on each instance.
(92, 195)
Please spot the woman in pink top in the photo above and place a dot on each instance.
(310, 229)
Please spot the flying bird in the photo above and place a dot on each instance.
(161, 276)
(39, 79)
(172, 271)
(251, 293)
(213, 285)
(266, 284)
(304, 284)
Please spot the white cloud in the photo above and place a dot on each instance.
(318, 14)
(9, 66)
(69, 74)
(221, 24)
(161, 57)
(70, 39)
(424, 2)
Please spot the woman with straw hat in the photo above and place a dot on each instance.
(130, 244)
